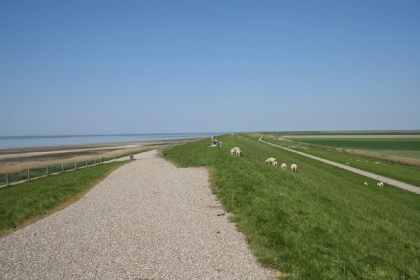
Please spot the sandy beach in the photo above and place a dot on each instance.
(14, 160)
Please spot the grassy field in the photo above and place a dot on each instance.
(26, 203)
(319, 223)
(393, 144)
(380, 166)
(393, 147)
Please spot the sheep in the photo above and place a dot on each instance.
(366, 184)
(270, 160)
(294, 167)
(275, 163)
(236, 151)
(284, 166)
(381, 184)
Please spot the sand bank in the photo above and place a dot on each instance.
(14, 160)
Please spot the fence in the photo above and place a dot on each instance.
(165, 148)
(26, 175)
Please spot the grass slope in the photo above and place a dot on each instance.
(30, 201)
(400, 172)
(319, 223)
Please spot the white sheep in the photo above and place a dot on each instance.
(366, 184)
(270, 160)
(275, 163)
(294, 167)
(381, 184)
(236, 151)
(284, 166)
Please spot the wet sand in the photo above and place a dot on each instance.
(14, 160)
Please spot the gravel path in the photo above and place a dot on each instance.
(147, 220)
(387, 180)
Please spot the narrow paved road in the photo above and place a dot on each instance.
(147, 220)
(392, 182)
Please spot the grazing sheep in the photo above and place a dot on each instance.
(284, 166)
(381, 184)
(275, 163)
(366, 184)
(270, 160)
(236, 151)
(294, 167)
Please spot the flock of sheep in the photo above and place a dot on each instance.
(380, 184)
(272, 161)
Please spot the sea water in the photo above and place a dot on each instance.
(10, 142)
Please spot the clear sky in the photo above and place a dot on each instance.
(103, 67)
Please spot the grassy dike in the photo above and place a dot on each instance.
(400, 172)
(26, 203)
(319, 223)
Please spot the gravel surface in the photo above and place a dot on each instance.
(147, 220)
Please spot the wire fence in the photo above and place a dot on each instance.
(163, 149)
(9, 179)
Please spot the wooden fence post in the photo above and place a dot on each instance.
(7, 179)
(29, 177)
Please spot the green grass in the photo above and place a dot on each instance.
(400, 172)
(394, 144)
(27, 202)
(319, 223)
(398, 154)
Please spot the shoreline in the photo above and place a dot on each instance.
(16, 159)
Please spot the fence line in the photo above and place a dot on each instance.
(164, 148)
(6, 182)
(46, 171)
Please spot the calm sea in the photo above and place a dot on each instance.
(65, 140)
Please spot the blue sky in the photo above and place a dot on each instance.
(101, 67)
